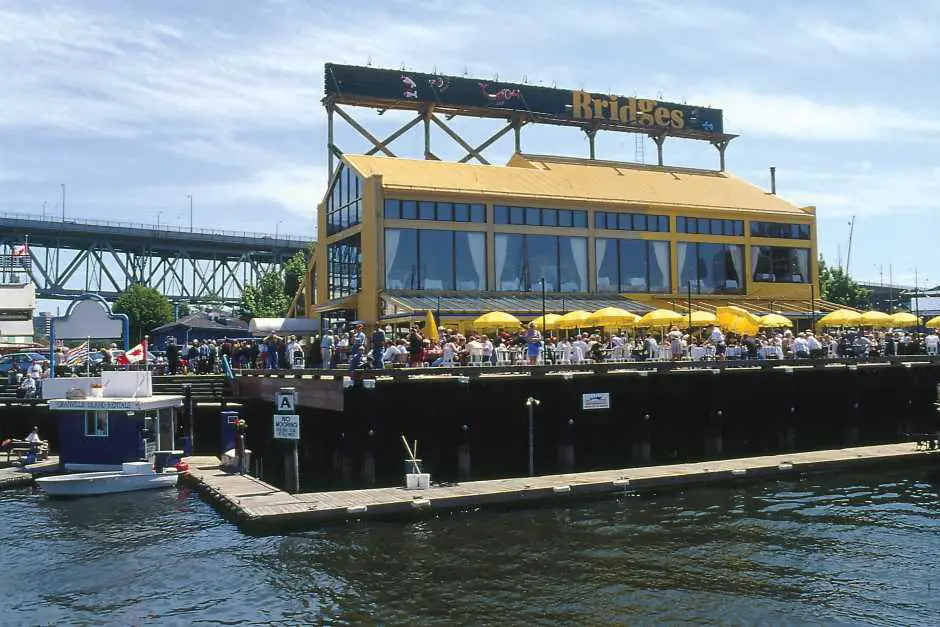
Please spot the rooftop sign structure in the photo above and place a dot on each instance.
(517, 103)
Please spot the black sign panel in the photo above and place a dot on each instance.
(347, 82)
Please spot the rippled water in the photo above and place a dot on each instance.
(849, 549)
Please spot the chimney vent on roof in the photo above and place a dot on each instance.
(773, 180)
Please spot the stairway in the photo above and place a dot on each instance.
(205, 387)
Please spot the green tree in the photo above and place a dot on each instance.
(266, 299)
(145, 307)
(838, 287)
(295, 270)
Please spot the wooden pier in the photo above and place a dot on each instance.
(261, 508)
(16, 477)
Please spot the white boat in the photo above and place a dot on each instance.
(133, 476)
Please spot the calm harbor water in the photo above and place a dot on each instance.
(846, 549)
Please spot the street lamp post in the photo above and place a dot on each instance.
(159, 213)
(277, 225)
(63, 201)
(44, 210)
(190, 196)
(812, 304)
(542, 280)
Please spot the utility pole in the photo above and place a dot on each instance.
(63, 201)
(190, 196)
(848, 255)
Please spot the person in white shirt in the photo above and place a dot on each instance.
(33, 437)
(450, 352)
(326, 349)
(801, 346)
(293, 347)
(390, 355)
(475, 349)
(716, 337)
(932, 342)
(815, 348)
(487, 350)
(35, 371)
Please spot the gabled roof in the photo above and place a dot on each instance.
(529, 178)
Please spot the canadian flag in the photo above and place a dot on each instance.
(134, 355)
(21, 250)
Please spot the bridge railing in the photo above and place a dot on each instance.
(172, 228)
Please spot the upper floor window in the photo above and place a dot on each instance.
(708, 226)
(631, 222)
(782, 230)
(538, 216)
(344, 204)
(438, 211)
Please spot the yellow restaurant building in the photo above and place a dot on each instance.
(399, 236)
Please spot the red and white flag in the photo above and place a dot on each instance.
(134, 355)
(21, 250)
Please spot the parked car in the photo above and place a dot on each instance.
(22, 361)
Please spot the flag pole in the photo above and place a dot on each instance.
(88, 358)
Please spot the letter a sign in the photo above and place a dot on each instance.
(284, 401)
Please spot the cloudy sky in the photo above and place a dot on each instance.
(135, 105)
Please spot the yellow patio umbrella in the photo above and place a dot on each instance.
(660, 318)
(775, 321)
(737, 320)
(574, 319)
(551, 321)
(496, 320)
(933, 323)
(904, 319)
(612, 317)
(875, 319)
(701, 318)
(840, 318)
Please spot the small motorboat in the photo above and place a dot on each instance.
(132, 476)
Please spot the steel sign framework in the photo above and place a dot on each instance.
(434, 95)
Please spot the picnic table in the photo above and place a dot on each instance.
(19, 448)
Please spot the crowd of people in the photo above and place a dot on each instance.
(414, 348)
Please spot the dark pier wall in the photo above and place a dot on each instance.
(479, 428)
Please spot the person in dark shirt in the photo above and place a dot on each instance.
(358, 359)
(172, 357)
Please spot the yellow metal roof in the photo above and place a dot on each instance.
(575, 180)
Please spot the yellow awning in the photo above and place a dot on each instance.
(551, 321)
(612, 317)
(904, 319)
(701, 318)
(840, 318)
(933, 323)
(875, 319)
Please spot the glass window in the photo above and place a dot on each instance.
(445, 212)
(478, 213)
(564, 217)
(728, 227)
(579, 219)
(549, 217)
(409, 210)
(608, 268)
(541, 262)
(425, 210)
(804, 231)
(401, 259)
(711, 268)
(703, 226)
(739, 228)
(624, 221)
(600, 220)
(572, 261)
(680, 224)
(461, 213)
(470, 260)
(96, 424)
(690, 225)
(778, 264)
(612, 220)
(633, 265)
(517, 215)
(500, 214)
(344, 267)
(660, 277)
(533, 216)
(716, 227)
(639, 222)
(687, 260)
(436, 256)
(392, 209)
(510, 262)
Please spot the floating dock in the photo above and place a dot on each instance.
(259, 507)
(18, 477)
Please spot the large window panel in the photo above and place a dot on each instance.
(608, 269)
(401, 259)
(779, 264)
(660, 276)
(510, 262)
(541, 262)
(344, 267)
(711, 268)
(687, 261)
(572, 260)
(470, 260)
(436, 256)
(633, 266)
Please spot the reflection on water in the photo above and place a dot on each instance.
(851, 549)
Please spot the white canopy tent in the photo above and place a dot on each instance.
(283, 326)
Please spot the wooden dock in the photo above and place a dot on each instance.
(261, 508)
(16, 477)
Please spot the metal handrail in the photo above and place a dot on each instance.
(152, 227)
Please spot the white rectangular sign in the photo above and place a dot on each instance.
(597, 400)
(285, 400)
(287, 426)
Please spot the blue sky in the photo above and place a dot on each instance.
(133, 105)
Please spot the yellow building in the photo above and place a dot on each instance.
(400, 236)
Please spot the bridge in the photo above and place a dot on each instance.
(68, 257)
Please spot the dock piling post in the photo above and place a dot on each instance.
(531, 403)
(463, 461)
